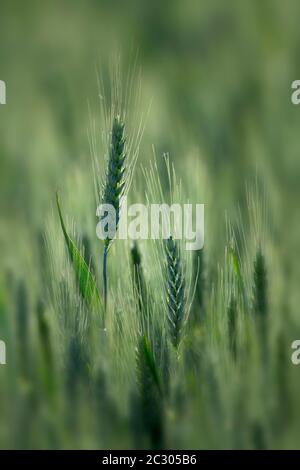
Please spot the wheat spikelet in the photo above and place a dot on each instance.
(175, 291)
(115, 175)
(260, 286)
(114, 185)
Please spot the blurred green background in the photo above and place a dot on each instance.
(218, 76)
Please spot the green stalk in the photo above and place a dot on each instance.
(105, 276)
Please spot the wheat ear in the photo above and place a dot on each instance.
(115, 184)
(175, 290)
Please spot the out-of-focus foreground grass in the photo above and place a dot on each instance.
(218, 76)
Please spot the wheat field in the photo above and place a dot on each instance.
(145, 345)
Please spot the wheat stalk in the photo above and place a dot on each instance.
(151, 394)
(232, 325)
(260, 300)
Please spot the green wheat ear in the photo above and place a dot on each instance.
(260, 286)
(151, 395)
(232, 325)
(260, 301)
(139, 282)
(175, 291)
(236, 266)
(46, 350)
(115, 184)
(23, 330)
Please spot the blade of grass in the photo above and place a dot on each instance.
(86, 281)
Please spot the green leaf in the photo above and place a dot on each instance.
(237, 272)
(86, 280)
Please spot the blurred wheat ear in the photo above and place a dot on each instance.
(23, 331)
(46, 350)
(260, 286)
(151, 395)
(237, 270)
(232, 325)
(260, 300)
(114, 185)
(139, 282)
(175, 291)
